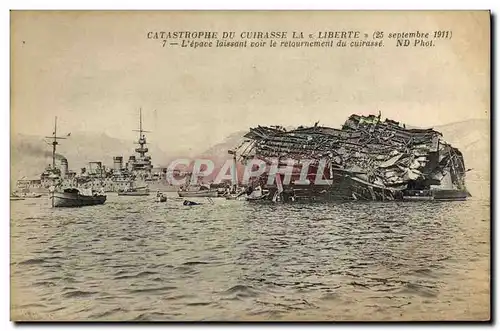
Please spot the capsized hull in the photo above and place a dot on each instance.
(198, 194)
(76, 200)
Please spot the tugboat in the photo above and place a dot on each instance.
(71, 196)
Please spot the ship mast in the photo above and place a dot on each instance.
(234, 177)
(140, 123)
(54, 143)
(143, 162)
(142, 138)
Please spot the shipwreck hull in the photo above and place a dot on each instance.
(368, 159)
(353, 191)
(343, 188)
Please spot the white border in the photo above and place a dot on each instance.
(177, 5)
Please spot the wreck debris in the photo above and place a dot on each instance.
(367, 159)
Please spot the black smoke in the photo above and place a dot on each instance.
(27, 148)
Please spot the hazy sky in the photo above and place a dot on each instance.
(94, 70)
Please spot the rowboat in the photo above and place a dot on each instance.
(25, 194)
(258, 198)
(199, 194)
(160, 197)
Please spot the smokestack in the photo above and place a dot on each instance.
(131, 162)
(64, 167)
(117, 163)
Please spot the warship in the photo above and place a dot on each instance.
(138, 171)
(367, 159)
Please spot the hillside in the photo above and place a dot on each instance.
(473, 139)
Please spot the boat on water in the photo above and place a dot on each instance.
(240, 196)
(134, 192)
(257, 194)
(25, 194)
(202, 193)
(69, 196)
(197, 191)
(160, 197)
(73, 197)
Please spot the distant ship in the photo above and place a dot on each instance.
(137, 172)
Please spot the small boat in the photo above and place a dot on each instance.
(160, 197)
(236, 196)
(138, 193)
(257, 194)
(199, 194)
(134, 192)
(190, 203)
(73, 197)
(257, 198)
(26, 195)
(202, 191)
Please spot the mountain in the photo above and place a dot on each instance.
(472, 138)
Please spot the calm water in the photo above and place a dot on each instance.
(135, 259)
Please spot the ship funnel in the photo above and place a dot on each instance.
(117, 163)
(131, 162)
(64, 167)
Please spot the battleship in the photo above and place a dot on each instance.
(138, 171)
(367, 159)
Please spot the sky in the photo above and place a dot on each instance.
(95, 70)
